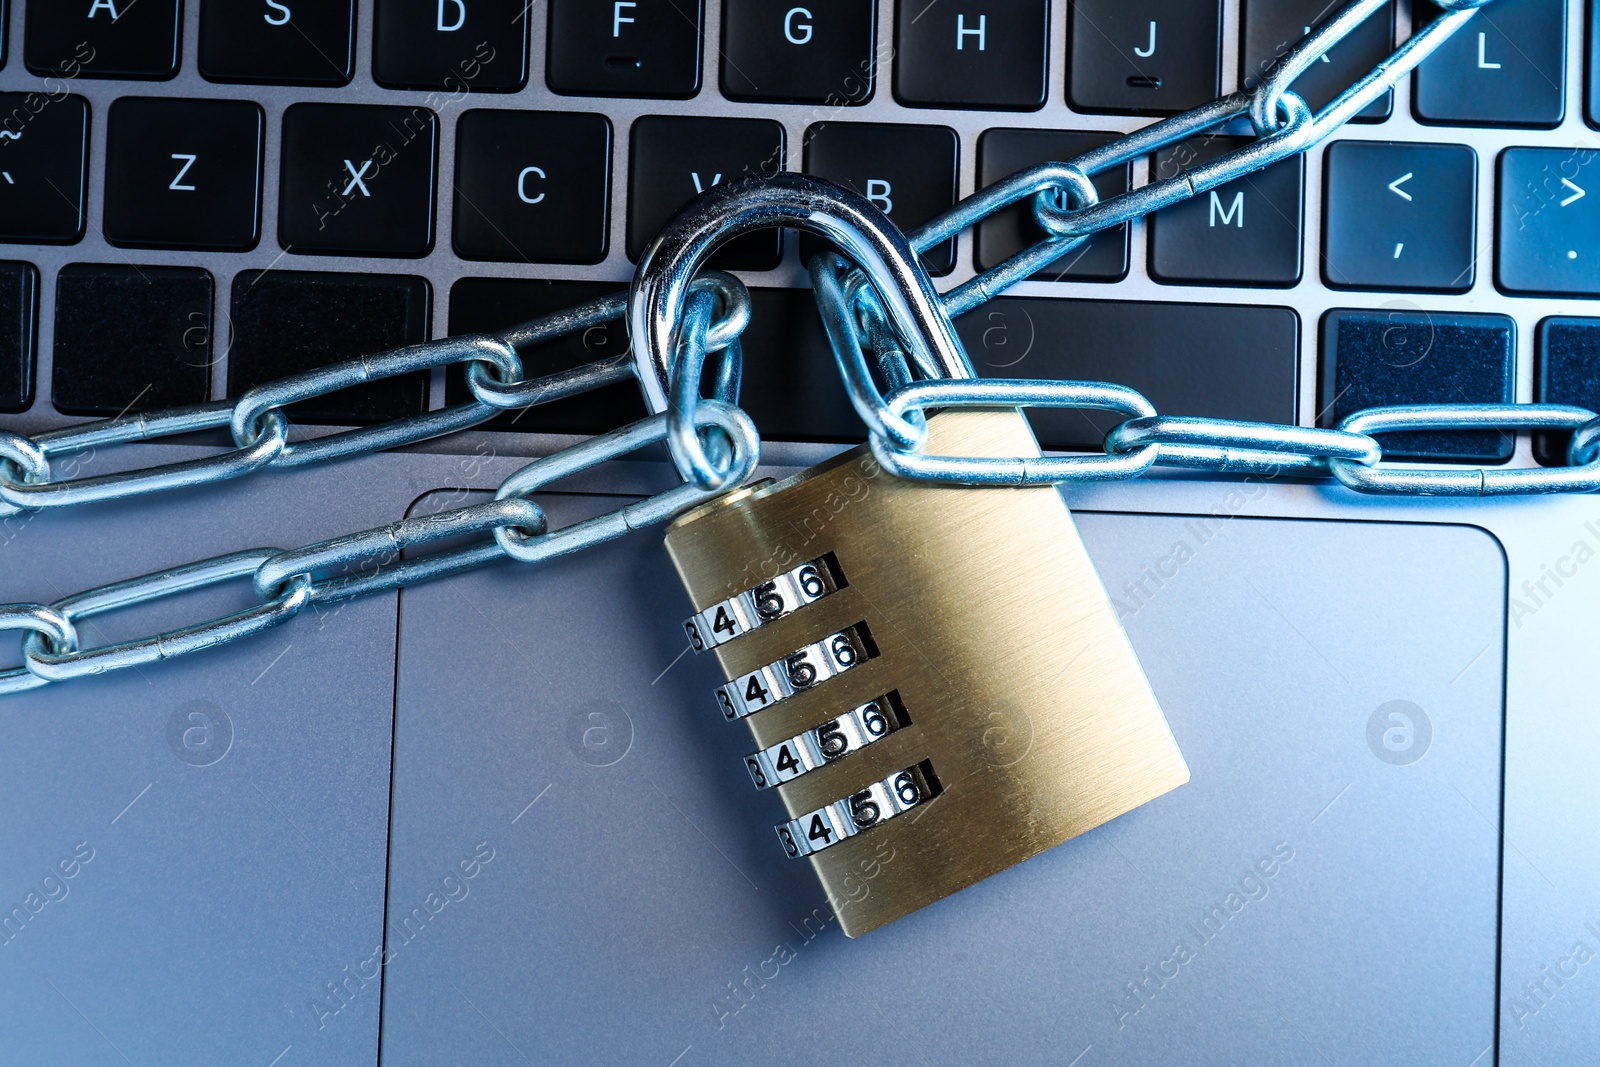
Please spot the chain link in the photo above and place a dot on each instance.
(34, 619)
(885, 322)
(55, 661)
(1066, 207)
(261, 430)
(371, 561)
(1370, 478)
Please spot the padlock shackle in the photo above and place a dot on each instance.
(862, 233)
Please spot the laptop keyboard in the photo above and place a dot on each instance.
(201, 197)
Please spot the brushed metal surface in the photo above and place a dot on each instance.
(989, 620)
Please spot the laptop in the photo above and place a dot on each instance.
(499, 819)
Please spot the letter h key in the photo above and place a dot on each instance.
(936, 681)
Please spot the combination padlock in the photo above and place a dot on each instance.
(930, 673)
(936, 683)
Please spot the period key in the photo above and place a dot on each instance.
(1549, 222)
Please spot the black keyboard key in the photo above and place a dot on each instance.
(672, 160)
(131, 338)
(103, 38)
(1567, 372)
(483, 305)
(1215, 360)
(909, 172)
(1272, 28)
(277, 42)
(461, 45)
(19, 305)
(183, 173)
(1246, 232)
(43, 151)
(992, 56)
(1593, 51)
(647, 48)
(1103, 258)
(1144, 57)
(286, 322)
(1400, 216)
(820, 53)
(790, 385)
(1549, 223)
(532, 186)
(1507, 67)
(1382, 357)
(357, 180)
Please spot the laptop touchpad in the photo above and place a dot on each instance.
(581, 871)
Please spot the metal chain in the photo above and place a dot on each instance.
(1067, 206)
(260, 428)
(286, 582)
(713, 442)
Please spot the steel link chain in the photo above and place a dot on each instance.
(261, 430)
(870, 325)
(1066, 206)
(341, 568)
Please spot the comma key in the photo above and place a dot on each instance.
(1400, 216)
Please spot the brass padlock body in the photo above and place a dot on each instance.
(992, 630)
